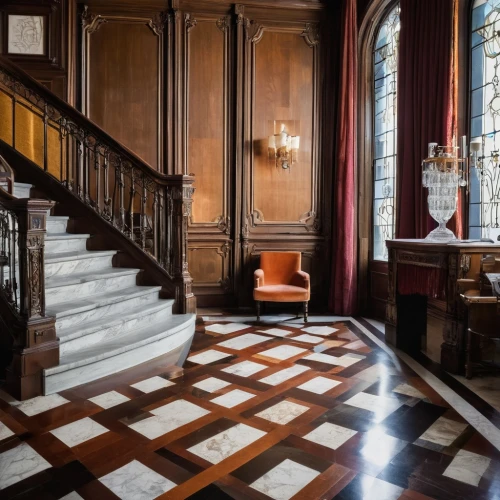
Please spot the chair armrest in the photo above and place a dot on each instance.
(258, 278)
(301, 278)
(472, 298)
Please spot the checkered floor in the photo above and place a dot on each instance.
(279, 411)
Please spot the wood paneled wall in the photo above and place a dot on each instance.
(197, 87)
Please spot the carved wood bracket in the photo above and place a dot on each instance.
(311, 34)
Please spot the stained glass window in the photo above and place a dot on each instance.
(385, 61)
(484, 199)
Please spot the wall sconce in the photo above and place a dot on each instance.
(475, 147)
(284, 148)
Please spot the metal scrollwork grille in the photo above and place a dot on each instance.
(484, 200)
(385, 61)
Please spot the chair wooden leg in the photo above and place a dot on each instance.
(257, 303)
(306, 308)
(468, 367)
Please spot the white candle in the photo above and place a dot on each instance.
(272, 142)
(295, 142)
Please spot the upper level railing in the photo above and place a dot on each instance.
(149, 208)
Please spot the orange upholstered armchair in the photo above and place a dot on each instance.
(280, 279)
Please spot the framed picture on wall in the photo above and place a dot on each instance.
(26, 35)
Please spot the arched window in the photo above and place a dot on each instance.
(385, 64)
(484, 199)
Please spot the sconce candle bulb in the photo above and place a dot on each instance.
(283, 148)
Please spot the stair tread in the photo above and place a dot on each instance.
(127, 342)
(77, 255)
(71, 333)
(61, 309)
(76, 278)
(57, 217)
(66, 236)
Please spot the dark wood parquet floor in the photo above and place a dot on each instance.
(281, 411)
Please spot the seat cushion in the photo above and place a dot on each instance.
(281, 293)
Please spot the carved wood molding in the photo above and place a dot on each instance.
(190, 22)
(91, 22)
(311, 34)
(421, 259)
(223, 24)
(158, 21)
(253, 31)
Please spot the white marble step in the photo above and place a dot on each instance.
(73, 314)
(121, 353)
(77, 262)
(65, 242)
(59, 288)
(57, 224)
(113, 326)
(21, 190)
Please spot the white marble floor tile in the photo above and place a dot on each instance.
(135, 481)
(226, 443)
(357, 344)
(72, 496)
(330, 435)
(211, 384)
(245, 368)
(308, 339)
(320, 330)
(408, 390)
(226, 329)
(285, 480)
(5, 432)
(283, 412)
(40, 404)
(467, 467)
(152, 384)
(207, 357)
(168, 418)
(377, 489)
(243, 341)
(19, 463)
(380, 405)
(283, 375)
(233, 398)
(109, 399)
(276, 332)
(78, 432)
(282, 352)
(345, 361)
(443, 431)
(319, 385)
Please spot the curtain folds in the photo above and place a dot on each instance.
(343, 291)
(425, 104)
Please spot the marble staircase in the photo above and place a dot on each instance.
(105, 322)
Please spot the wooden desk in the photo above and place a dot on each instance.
(406, 315)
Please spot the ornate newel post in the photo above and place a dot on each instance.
(35, 345)
(182, 198)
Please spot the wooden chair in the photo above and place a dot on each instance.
(280, 279)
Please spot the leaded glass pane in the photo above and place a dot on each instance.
(385, 63)
(484, 201)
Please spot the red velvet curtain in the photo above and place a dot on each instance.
(343, 291)
(425, 104)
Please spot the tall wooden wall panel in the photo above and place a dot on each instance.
(208, 40)
(122, 90)
(283, 95)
